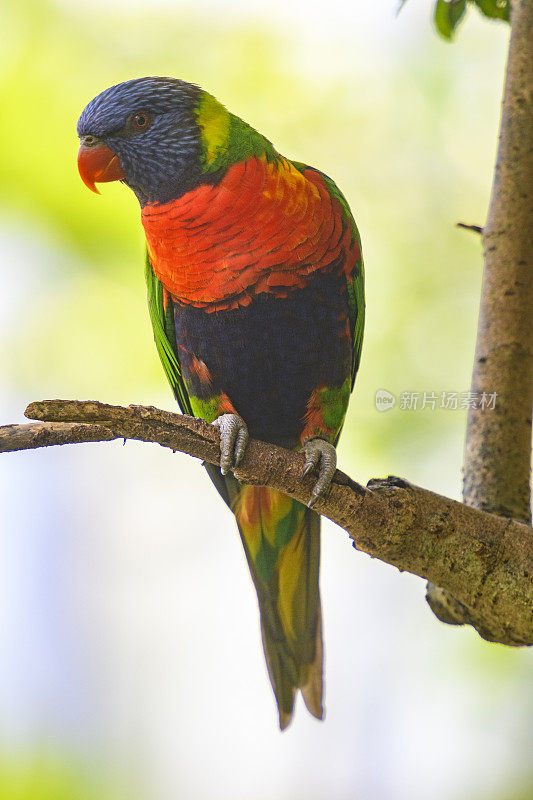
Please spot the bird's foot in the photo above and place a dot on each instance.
(233, 441)
(322, 456)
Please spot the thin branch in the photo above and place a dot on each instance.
(483, 561)
(473, 228)
(46, 434)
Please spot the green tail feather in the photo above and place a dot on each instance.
(281, 539)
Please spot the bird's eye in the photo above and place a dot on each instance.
(140, 121)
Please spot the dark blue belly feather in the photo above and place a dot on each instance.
(268, 357)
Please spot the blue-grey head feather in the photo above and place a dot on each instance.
(163, 161)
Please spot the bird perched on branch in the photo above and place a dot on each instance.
(256, 297)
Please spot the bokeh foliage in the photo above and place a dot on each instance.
(86, 327)
(49, 776)
(410, 142)
(449, 13)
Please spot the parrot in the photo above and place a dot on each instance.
(255, 287)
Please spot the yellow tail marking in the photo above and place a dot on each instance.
(289, 569)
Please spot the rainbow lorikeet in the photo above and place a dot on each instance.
(256, 297)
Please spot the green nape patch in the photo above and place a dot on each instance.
(227, 139)
(214, 123)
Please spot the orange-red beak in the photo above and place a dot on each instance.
(98, 164)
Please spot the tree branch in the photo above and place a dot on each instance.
(482, 560)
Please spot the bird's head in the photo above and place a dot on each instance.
(143, 132)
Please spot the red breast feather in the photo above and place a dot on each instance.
(265, 227)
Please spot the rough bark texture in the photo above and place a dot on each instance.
(484, 561)
(498, 443)
(496, 473)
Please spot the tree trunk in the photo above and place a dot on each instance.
(498, 442)
(496, 473)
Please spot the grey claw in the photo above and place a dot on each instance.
(233, 441)
(240, 444)
(312, 457)
(322, 455)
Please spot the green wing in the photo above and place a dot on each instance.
(356, 279)
(356, 301)
(165, 337)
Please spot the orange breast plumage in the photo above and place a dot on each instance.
(265, 227)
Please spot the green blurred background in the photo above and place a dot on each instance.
(131, 660)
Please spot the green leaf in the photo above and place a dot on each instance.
(495, 9)
(447, 15)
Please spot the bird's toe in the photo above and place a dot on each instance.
(233, 440)
(321, 456)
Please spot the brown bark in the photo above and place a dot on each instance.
(496, 470)
(498, 443)
(482, 560)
